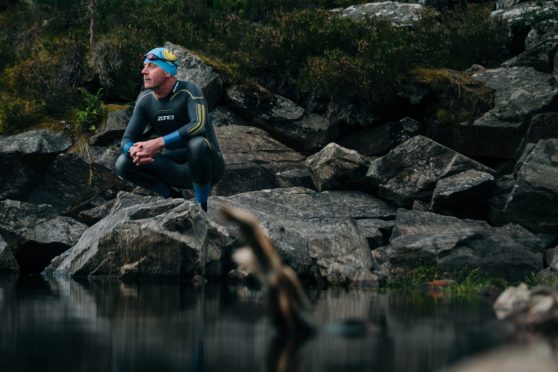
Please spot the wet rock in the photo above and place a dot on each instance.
(152, 237)
(35, 233)
(462, 194)
(336, 167)
(73, 179)
(193, 68)
(458, 246)
(400, 14)
(282, 118)
(535, 194)
(252, 159)
(410, 171)
(7, 259)
(379, 140)
(23, 158)
(112, 130)
(316, 233)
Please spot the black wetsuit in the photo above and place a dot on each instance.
(192, 153)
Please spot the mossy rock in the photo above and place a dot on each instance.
(453, 97)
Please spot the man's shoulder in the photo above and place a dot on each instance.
(189, 88)
(144, 96)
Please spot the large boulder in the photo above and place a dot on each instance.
(146, 237)
(459, 246)
(112, 130)
(73, 179)
(193, 68)
(541, 45)
(221, 116)
(542, 126)
(520, 93)
(23, 158)
(464, 194)
(35, 233)
(378, 140)
(532, 202)
(400, 14)
(410, 171)
(316, 233)
(335, 167)
(282, 118)
(252, 159)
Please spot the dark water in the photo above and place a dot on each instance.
(49, 324)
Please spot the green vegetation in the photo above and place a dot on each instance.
(431, 278)
(295, 47)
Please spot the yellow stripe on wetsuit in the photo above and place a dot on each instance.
(199, 125)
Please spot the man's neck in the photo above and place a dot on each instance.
(164, 89)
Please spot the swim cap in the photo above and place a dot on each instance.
(163, 58)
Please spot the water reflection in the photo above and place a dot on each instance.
(51, 324)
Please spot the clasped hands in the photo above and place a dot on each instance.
(143, 152)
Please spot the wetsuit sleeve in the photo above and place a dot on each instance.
(197, 112)
(134, 130)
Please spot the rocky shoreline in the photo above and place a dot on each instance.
(345, 207)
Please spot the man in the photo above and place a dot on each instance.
(186, 152)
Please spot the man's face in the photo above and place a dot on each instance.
(153, 76)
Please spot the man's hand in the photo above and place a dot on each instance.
(143, 152)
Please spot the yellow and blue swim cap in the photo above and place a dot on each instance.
(163, 58)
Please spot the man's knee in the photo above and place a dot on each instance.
(198, 149)
(123, 166)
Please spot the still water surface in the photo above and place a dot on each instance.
(50, 324)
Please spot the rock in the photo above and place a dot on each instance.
(252, 159)
(514, 11)
(376, 231)
(379, 140)
(503, 187)
(296, 177)
(410, 171)
(37, 143)
(7, 259)
(542, 126)
(459, 246)
(521, 92)
(535, 308)
(153, 237)
(462, 194)
(551, 256)
(73, 179)
(282, 118)
(336, 167)
(316, 233)
(112, 130)
(400, 14)
(541, 33)
(221, 116)
(193, 68)
(23, 158)
(535, 194)
(35, 233)
(541, 45)
(95, 214)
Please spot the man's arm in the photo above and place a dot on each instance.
(197, 111)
